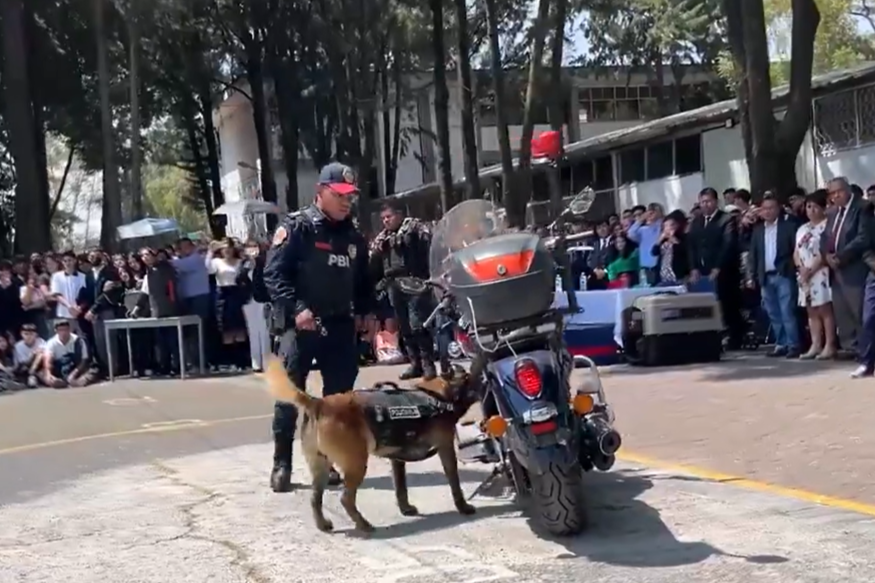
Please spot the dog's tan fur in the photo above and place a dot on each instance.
(335, 432)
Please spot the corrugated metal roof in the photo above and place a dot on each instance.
(709, 114)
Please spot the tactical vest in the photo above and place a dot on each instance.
(396, 418)
(327, 274)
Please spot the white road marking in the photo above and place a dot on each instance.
(172, 423)
(130, 401)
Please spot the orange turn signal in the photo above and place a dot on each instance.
(582, 404)
(495, 426)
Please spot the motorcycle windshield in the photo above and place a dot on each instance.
(465, 224)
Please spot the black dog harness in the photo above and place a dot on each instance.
(398, 418)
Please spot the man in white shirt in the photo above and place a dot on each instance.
(28, 355)
(66, 286)
(770, 267)
(67, 361)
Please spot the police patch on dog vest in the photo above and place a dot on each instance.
(404, 413)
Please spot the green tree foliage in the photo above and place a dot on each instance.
(657, 37)
(839, 43)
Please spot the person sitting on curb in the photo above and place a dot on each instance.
(28, 355)
(67, 361)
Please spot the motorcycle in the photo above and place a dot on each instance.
(539, 433)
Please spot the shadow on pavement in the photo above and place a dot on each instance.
(623, 529)
(626, 531)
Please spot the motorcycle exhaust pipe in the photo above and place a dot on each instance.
(609, 442)
(602, 462)
(606, 437)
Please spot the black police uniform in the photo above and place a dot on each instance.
(321, 265)
(404, 253)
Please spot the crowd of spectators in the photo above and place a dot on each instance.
(801, 267)
(53, 307)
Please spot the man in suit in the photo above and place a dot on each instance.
(771, 269)
(843, 244)
(600, 257)
(103, 296)
(714, 254)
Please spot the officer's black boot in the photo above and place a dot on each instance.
(281, 475)
(414, 371)
(426, 352)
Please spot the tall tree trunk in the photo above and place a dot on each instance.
(516, 212)
(284, 72)
(32, 31)
(392, 139)
(441, 105)
(213, 170)
(111, 218)
(136, 151)
(201, 168)
(497, 70)
(255, 77)
(466, 103)
(772, 146)
(559, 96)
(31, 209)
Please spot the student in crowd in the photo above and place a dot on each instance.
(645, 232)
(815, 291)
(254, 309)
(771, 270)
(230, 299)
(28, 355)
(7, 367)
(65, 287)
(194, 292)
(67, 361)
(159, 300)
(34, 302)
(623, 270)
(672, 257)
(11, 311)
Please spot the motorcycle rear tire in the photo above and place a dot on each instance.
(558, 499)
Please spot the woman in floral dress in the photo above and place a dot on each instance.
(815, 293)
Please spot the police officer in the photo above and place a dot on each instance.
(320, 291)
(401, 250)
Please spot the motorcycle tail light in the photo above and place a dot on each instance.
(528, 378)
(543, 427)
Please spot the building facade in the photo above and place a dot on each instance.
(597, 101)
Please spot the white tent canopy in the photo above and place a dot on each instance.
(148, 227)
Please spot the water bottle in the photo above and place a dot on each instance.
(558, 283)
(582, 282)
(642, 278)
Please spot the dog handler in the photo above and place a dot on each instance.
(320, 291)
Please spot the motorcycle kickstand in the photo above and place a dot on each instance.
(485, 484)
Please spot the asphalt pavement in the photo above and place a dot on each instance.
(144, 481)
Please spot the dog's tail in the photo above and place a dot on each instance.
(283, 389)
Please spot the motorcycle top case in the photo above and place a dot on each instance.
(504, 278)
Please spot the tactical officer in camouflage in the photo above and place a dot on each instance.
(401, 250)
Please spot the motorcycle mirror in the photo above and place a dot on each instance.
(582, 202)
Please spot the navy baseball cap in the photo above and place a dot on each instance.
(338, 177)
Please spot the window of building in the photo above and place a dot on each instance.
(582, 174)
(632, 166)
(660, 160)
(604, 173)
(688, 155)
